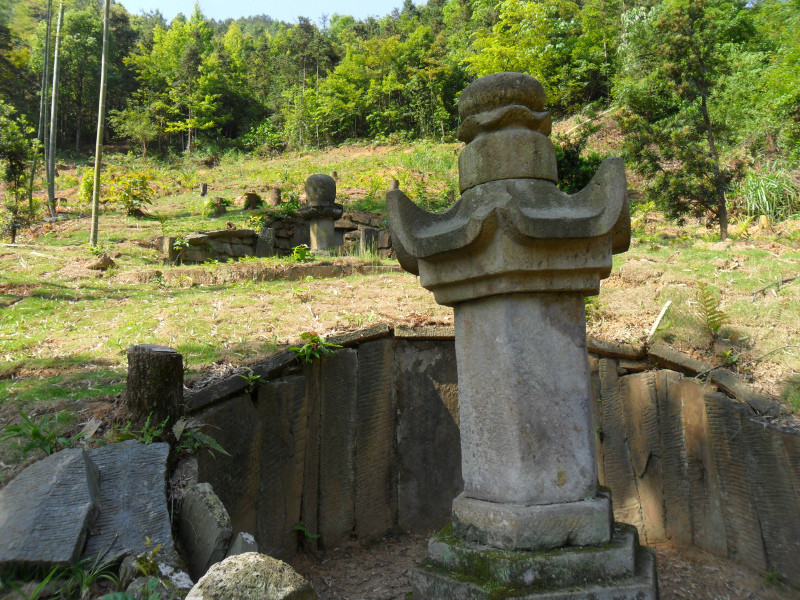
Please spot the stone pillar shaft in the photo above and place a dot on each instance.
(524, 396)
(323, 235)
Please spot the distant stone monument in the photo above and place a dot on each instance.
(322, 211)
(515, 257)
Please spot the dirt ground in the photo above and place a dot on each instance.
(382, 570)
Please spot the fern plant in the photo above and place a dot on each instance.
(711, 313)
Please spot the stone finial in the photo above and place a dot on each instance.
(320, 190)
(505, 127)
(512, 230)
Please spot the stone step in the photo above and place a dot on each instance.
(429, 583)
(562, 567)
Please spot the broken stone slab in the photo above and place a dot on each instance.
(204, 529)
(132, 502)
(46, 511)
(252, 576)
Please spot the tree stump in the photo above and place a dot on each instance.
(155, 383)
(252, 201)
(274, 197)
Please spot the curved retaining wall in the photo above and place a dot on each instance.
(366, 441)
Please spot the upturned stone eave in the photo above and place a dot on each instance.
(532, 208)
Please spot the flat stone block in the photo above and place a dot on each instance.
(535, 527)
(562, 567)
(430, 582)
(46, 510)
(132, 501)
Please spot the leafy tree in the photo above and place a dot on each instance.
(531, 37)
(674, 61)
(17, 148)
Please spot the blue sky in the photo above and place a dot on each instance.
(282, 11)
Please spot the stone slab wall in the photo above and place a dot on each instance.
(367, 441)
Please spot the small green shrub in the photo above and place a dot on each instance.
(87, 186)
(711, 315)
(146, 435)
(44, 434)
(213, 207)
(255, 222)
(302, 253)
(190, 439)
(315, 347)
(133, 192)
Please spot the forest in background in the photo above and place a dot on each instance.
(706, 92)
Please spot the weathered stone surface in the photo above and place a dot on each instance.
(46, 511)
(568, 567)
(501, 89)
(204, 529)
(639, 399)
(430, 583)
(607, 349)
(425, 333)
(384, 238)
(236, 426)
(252, 576)
(132, 501)
(243, 542)
(283, 410)
(320, 189)
(559, 254)
(376, 481)
(427, 404)
(323, 235)
(265, 243)
(510, 154)
(674, 462)
(536, 527)
(529, 440)
(730, 383)
(775, 498)
(669, 358)
(369, 240)
(353, 338)
(742, 527)
(707, 520)
(338, 401)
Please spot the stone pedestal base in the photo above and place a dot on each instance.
(538, 527)
(618, 570)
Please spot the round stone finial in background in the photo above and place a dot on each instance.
(320, 189)
(498, 90)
